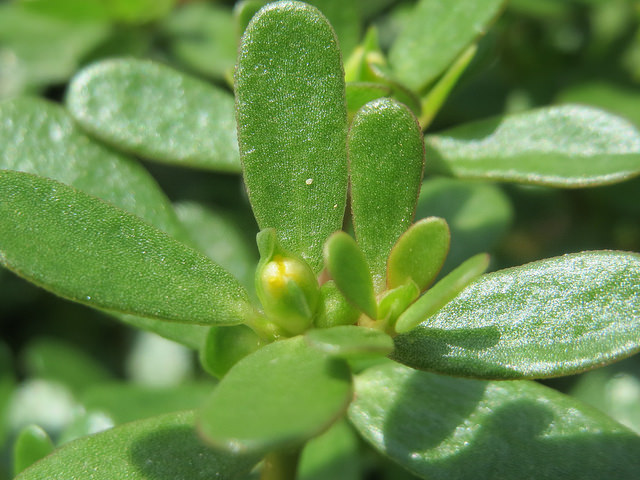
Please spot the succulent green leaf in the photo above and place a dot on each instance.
(225, 346)
(348, 341)
(347, 266)
(162, 448)
(292, 124)
(419, 253)
(440, 428)
(563, 146)
(32, 444)
(395, 301)
(89, 251)
(553, 317)
(386, 159)
(435, 35)
(202, 36)
(477, 213)
(157, 113)
(361, 93)
(336, 309)
(333, 455)
(276, 398)
(442, 292)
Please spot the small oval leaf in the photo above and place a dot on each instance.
(419, 253)
(89, 251)
(386, 159)
(276, 398)
(553, 317)
(32, 444)
(565, 146)
(443, 428)
(292, 124)
(157, 113)
(349, 341)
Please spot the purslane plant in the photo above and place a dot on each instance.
(435, 373)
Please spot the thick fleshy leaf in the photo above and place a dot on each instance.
(333, 455)
(436, 33)
(89, 251)
(350, 341)
(565, 146)
(202, 36)
(162, 448)
(347, 266)
(440, 427)
(32, 444)
(292, 124)
(477, 213)
(276, 398)
(553, 317)
(419, 253)
(157, 113)
(394, 302)
(225, 346)
(336, 309)
(386, 159)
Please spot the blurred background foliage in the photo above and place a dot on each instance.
(73, 370)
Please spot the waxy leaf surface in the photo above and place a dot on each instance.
(292, 124)
(350, 341)
(443, 428)
(157, 113)
(276, 398)
(436, 34)
(565, 146)
(553, 317)
(386, 159)
(89, 251)
(160, 448)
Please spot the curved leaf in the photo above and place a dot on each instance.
(553, 317)
(565, 146)
(162, 448)
(333, 455)
(350, 341)
(437, 32)
(386, 159)
(157, 113)
(276, 398)
(31, 445)
(91, 252)
(292, 124)
(440, 427)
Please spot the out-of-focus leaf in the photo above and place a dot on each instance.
(333, 455)
(553, 317)
(276, 398)
(7, 382)
(437, 32)
(477, 213)
(32, 444)
(419, 253)
(156, 112)
(85, 423)
(225, 346)
(440, 427)
(361, 93)
(126, 402)
(348, 341)
(350, 272)
(345, 20)
(386, 159)
(565, 146)
(292, 124)
(162, 448)
(139, 11)
(75, 10)
(155, 361)
(89, 251)
(202, 36)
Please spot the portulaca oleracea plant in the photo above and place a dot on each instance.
(352, 331)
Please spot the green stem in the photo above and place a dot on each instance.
(281, 465)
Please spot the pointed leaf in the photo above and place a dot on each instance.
(91, 252)
(348, 268)
(276, 398)
(419, 253)
(292, 124)
(558, 316)
(157, 113)
(386, 158)
(442, 292)
(350, 341)
(441, 428)
(565, 146)
(162, 448)
(32, 444)
(436, 33)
